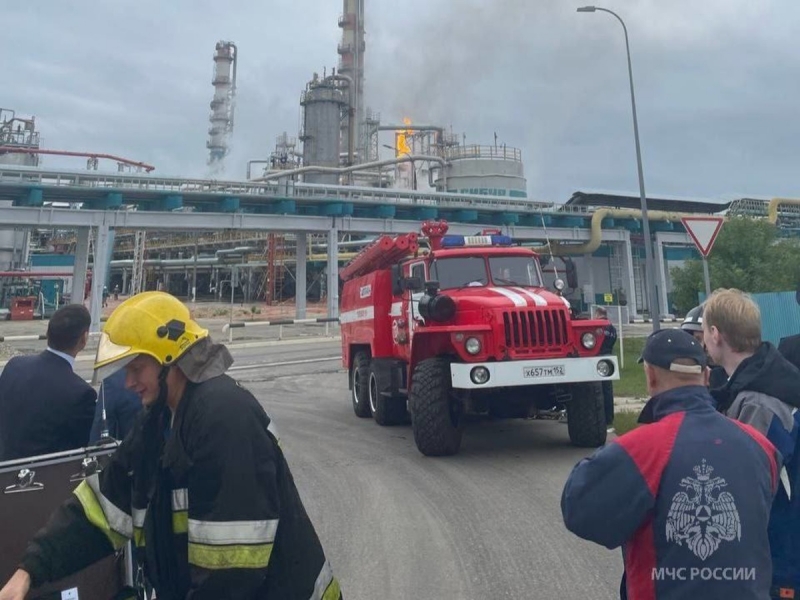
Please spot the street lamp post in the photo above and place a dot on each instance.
(648, 246)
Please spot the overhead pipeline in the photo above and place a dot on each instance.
(596, 232)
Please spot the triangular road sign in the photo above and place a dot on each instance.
(703, 231)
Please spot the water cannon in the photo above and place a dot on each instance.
(435, 231)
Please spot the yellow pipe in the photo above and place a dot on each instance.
(596, 235)
(772, 209)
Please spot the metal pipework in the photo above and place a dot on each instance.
(772, 209)
(596, 235)
(359, 167)
(351, 116)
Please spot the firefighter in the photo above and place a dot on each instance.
(200, 485)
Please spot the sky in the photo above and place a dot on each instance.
(717, 83)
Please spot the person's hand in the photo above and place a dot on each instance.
(17, 587)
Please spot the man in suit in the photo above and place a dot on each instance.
(44, 406)
(121, 406)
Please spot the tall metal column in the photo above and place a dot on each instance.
(99, 270)
(661, 274)
(81, 265)
(630, 281)
(333, 270)
(300, 275)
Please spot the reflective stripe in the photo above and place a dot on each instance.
(95, 514)
(232, 532)
(138, 517)
(180, 522)
(230, 557)
(537, 299)
(180, 499)
(138, 536)
(118, 519)
(511, 295)
(326, 587)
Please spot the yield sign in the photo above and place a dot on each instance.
(703, 231)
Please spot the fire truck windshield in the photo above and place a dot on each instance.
(469, 271)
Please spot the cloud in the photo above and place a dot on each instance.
(716, 83)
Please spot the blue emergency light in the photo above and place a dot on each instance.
(461, 241)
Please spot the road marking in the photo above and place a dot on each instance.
(287, 363)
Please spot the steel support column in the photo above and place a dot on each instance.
(99, 269)
(661, 274)
(628, 278)
(300, 276)
(333, 270)
(81, 265)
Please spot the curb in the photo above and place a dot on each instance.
(235, 346)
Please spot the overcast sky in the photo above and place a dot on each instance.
(717, 82)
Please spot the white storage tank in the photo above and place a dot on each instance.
(484, 170)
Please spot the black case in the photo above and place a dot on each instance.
(30, 490)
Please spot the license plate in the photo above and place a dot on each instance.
(545, 371)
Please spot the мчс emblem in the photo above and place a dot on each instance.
(703, 516)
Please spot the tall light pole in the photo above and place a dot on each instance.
(648, 246)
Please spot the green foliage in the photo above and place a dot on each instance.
(631, 382)
(747, 255)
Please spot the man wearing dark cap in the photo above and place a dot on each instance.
(687, 495)
(44, 406)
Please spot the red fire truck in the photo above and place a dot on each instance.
(445, 325)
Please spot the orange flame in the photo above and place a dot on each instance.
(402, 147)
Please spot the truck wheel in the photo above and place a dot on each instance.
(385, 410)
(435, 414)
(586, 417)
(359, 382)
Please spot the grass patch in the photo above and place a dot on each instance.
(625, 421)
(631, 382)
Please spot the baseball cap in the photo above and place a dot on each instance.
(666, 346)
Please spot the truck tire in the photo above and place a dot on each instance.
(435, 415)
(586, 417)
(359, 382)
(385, 410)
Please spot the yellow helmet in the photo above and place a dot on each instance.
(153, 323)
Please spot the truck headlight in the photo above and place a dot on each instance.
(472, 345)
(588, 340)
(559, 285)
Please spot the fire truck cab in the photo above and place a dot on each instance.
(466, 326)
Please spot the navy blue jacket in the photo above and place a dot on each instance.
(122, 407)
(687, 496)
(764, 392)
(609, 339)
(44, 407)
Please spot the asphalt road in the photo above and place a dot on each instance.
(397, 525)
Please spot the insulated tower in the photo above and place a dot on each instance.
(351, 63)
(226, 58)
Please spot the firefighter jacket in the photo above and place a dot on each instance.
(208, 500)
(687, 496)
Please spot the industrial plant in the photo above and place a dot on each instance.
(278, 235)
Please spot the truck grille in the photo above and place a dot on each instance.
(536, 330)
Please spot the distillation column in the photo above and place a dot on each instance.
(351, 63)
(222, 106)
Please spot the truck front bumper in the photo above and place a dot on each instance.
(512, 373)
